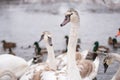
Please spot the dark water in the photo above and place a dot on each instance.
(24, 25)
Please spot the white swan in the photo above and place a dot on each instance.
(109, 60)
(51, 55)
(50, 62)
(13, 64)
(71, 74)
(88, 69)
(7, 75)
(72, 69)
(44, 67)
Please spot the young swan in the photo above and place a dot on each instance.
(109, 59)
(51, 55)
(71, 16)
(88, 69)
(35, 71)
(7, 75)
(13, 64)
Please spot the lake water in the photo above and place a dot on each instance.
(24, 25)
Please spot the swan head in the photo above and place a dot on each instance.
(107, 61)
(70, 16)
(47, 37)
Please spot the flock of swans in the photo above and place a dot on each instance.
(71, 65)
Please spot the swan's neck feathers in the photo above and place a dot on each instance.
(73, 71)
(117, 75)
(115, 56)
(96, 67)
(51, 56)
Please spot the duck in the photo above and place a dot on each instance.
(100, 48)
(110, 40)
(108, 60)
(7, 45)
(116, 44)
(37, 49)
(97, 49)
(13, 64)
(113, 42)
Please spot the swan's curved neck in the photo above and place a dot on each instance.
(117, 75)
(51, 56)
(116, 57)
(73, 71)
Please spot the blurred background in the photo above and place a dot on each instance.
(23, 21)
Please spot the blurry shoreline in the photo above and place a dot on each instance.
(55, 7)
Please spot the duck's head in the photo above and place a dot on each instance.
(110, 38)
(114, 41)
(106, 62)
(35, 43)
(70, 16)
(95, 48)
(66, 37)
(3, 41)
(47, 37)
(96, 43)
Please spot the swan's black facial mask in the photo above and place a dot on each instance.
(66, 20)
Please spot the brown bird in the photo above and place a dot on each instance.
(7, 45)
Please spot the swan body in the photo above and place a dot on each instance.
(62, 59)
(40, 67)
(91, 68)
(109, 59)
(88, 68)
(13, 64)
(116, 76)
(7, 75)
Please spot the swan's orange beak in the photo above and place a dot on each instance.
(66, 20)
